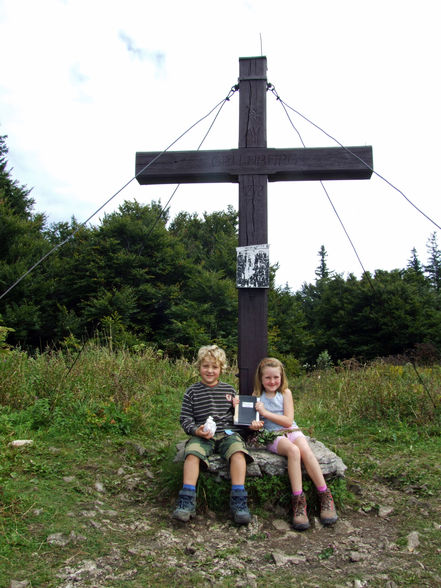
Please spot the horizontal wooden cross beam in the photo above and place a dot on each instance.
(320, 163)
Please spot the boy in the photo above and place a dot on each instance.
(211, 397)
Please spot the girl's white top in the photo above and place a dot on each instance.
(274, 405)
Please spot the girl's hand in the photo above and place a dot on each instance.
(260, 408)
(256, 425)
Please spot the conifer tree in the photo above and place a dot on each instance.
(433, 267)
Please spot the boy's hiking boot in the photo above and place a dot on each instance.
(328, 514)
(300, 520)
(186, 507)
(239, 508)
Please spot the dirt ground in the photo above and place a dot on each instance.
(388, 540)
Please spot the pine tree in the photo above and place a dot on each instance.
(433, 267)
(322, 272)
(414, 262)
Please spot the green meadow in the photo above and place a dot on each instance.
(84, 410)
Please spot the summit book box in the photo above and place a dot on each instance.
(245, 411)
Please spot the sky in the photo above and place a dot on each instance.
(85, 84)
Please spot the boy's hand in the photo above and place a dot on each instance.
(204, 434)
(256, 425)
(235, 401)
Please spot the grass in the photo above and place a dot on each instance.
(86, 414)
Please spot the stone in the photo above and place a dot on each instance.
(281, 559)
(266, 463)
(58, 539)
(281, 525)
(356, 556)
(139, 449)
(384, 511)
(413, 540)
(20, 443)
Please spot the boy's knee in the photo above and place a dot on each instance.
(238, 456)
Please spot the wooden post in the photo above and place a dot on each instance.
(253, 218)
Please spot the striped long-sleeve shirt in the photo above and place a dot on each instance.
(201, 401)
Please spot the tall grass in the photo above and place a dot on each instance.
(140, 393)
(378, 393)
(99, 390)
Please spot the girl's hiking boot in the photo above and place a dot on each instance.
(239, 507)
(300, 520)
(186, 507)
(328, 514)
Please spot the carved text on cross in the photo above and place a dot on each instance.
(252, 165)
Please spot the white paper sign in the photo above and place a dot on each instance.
(252, 266)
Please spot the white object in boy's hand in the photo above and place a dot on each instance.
(210, 426)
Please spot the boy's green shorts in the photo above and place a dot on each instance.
(223, 444)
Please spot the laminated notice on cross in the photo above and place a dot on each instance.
(245, 411)
(253, 266)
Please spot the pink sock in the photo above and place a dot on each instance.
(322, 488)
(297, 493)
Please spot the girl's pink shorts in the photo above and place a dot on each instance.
(291, 436)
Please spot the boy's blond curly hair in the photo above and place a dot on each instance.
(214, 353)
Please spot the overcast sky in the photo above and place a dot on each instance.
(84, 84)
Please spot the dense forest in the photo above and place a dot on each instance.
(139, 278)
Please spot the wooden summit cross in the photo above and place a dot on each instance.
(252, 165)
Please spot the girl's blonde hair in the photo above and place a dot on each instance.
(269, 362)
(214, 353)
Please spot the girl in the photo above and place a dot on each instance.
(276, 407)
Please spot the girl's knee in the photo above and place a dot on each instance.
(293, 451)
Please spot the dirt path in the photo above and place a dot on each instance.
(146, 547)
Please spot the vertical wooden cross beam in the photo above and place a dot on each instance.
(252, 165)
(253, 218)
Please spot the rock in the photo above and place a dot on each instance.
(355, 556)
(74, 538)
(266, 463)
(132, 482)
(281, 525)
(88, 513)
(58, 539)
(19, 584)
(20, 443)
(98, 487)
(413, 541)
(281, 559)
(69, 479)
(149, 474)
(139, 449)
(252, 529)
(384, 511)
